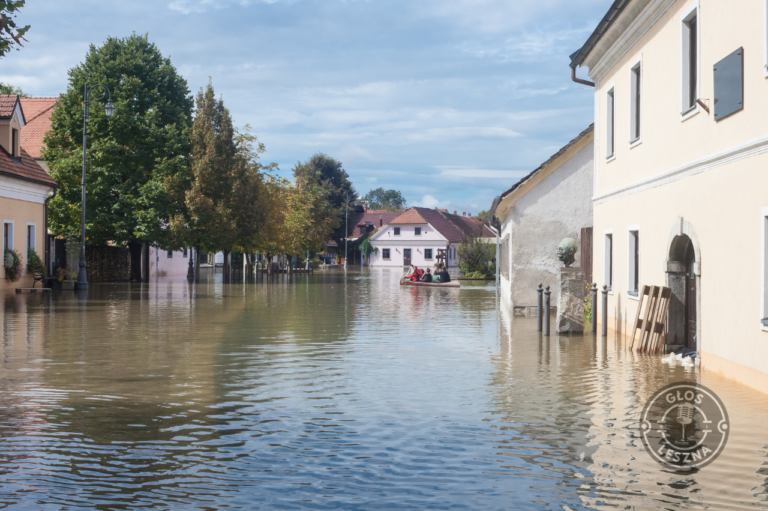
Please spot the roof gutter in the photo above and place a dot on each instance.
(579, 80)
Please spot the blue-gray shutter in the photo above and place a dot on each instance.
(729, 84)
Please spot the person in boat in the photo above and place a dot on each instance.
(441, 276)
(415, 275)
(427, 277)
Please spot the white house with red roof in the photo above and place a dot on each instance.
(415, 236)
(25, 188)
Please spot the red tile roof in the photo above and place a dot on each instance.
(411, 216)
(38, 112)
(7, 104)
(454, 228)
(25, 168)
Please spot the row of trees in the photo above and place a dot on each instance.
(171, 170)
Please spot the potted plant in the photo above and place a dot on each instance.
(67, 277)
(12, 263)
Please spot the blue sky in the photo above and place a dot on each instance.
(448, 101)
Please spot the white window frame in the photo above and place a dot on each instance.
(10, 235)
(764, 268)
(33, 245)
(383, 256)
(608, 256)
(635, 64)
(396, 231)
(687, 112)
(417, 231)
(431, 254)
(631, 260)
(610, 128)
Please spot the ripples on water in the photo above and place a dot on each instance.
(336, 394)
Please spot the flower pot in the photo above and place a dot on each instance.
(68, 284)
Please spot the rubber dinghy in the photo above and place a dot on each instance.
(404, 282)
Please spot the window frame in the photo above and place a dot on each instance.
(10, 235)
(610, 116)
(32, 238)
(184, 253)
(396, 231)
(633, 261)
(635, 102)
(430, 257)
(608, 259)
(15, 143)
(686, 109)
(386, 253)
(417, 231)
(764, 267)
(170, 254)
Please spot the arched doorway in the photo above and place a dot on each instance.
(683, 277)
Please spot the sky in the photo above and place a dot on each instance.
(448, 101)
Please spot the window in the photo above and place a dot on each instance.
(634, 261)
(690, 59)
(729, 85)
(634, 113)
(15, 143)
(30, 239)
(609, 129)
(184, 254)
(417, 231)
(427, 253)
(764, 296)
(397, 231)
(609, 259)
(385, 253)
(7, 236)
(170, 254)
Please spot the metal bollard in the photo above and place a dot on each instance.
(538, 310)
(546, 311)
(594, 308)
(605, 311)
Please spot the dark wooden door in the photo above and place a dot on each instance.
(406, 257)
(690, 302)
(586, 253)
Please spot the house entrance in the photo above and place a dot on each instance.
(682, 278)
(406, 257)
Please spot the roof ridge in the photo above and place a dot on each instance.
(41, 113)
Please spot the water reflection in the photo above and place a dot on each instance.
(335, 392)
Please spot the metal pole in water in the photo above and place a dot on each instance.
(594, 308)
(605, 311)
(538, 309)
(546, 311)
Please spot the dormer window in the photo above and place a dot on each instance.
(15, 149)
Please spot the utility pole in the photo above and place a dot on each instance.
(346, 230)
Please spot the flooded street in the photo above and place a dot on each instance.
(337, 393)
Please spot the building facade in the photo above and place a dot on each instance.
(681, 147)
(553, 202)
(25, 189)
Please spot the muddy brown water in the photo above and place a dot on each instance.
(336, 392)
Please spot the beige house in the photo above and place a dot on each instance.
(680, 185)
(25, 188)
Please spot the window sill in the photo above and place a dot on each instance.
(636, 142)
(610, 158)
(684, 116)
(635, 296)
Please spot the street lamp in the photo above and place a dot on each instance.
(109, 109)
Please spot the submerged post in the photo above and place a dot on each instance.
(605, 311)
(546, 311)
(538, 309)
(594, 308)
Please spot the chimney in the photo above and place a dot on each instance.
(454, 211)
(464, 213)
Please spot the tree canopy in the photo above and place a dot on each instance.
(388, 200)
(137, 160)
(10, 34)
(7, 88)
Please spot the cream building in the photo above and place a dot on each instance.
(680, 186)
(25, 188)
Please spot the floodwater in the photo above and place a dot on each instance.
(336, 392)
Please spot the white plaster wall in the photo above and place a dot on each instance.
(159, 262)
(556, 208)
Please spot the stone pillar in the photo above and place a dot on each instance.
(570, 302)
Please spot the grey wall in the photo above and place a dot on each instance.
(558, 207)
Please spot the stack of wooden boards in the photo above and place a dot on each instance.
(651, 326)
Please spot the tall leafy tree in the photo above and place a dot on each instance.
(7, 88)
(329, 174)
(137, 160)
(10, 34)
(388, 200)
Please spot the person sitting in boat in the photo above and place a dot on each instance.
(441, 276)
(427, 277)
(415, 275)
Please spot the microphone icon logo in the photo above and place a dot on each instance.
(684, 417)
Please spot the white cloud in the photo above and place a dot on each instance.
(430, 202)
(473, 173)
(463, 132)
(190, 6)
(351, 154)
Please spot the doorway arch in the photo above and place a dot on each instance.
(683, 276)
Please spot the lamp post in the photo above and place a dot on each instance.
(109, 109)
(346, 229)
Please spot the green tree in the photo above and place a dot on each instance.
(10, 34)
(329, 174)
(388, 200)
(483, 217)
(7, 88)
(137, 160)
(474, 255)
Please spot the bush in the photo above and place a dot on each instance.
(474, 255)
(35, 263)
(13, 263)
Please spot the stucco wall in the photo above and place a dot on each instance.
(21, 213)
(160, 264)
(557, 207)
(386, 238)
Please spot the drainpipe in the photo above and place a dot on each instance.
(579, 80)
(491, 214)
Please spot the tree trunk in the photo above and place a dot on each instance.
(197, 264)
(226, 266)
(145, 262)
(134, 249)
